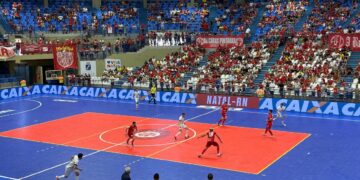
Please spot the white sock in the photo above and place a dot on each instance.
(77, 177)
(186, 133)
(61, 177)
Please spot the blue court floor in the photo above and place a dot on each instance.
(332, 152)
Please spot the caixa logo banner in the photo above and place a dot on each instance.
(317, 107)
(124, 94)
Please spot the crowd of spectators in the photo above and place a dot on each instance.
(114, 17)
(232, 18)
(168, 72)
(279, 17)
(330, 16)
(94, 48)
(232, 70)
(308, 68)
(176, 15)
(170, 38)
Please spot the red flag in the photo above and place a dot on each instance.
(65, 57)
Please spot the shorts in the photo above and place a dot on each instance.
(268, 125)
(278, 114)
(131, 135)
(137, 100)
(152, 95)
(223, 115)
(210, 143)
(182, 126)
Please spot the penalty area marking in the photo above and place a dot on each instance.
(102, 150)
(6, 177)
(21, 112)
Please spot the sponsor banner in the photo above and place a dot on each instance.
(124, 94)
(351, 41)
(308, 106)
(36, 48)
(233, 101)
(112, 64)
(65, 57)
(88, 67)
(214, 41)
(7, 52)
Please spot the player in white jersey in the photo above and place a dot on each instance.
(137, 98)
(72, 166)
(279, 113)
(182, 126)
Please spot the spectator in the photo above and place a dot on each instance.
(156, 176)
(210, 176)
(126, 174)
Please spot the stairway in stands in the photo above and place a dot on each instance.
(254, 23)
(275, 57)
(353, 62)
(352, 16)
(4, 26)
(302, 20)
(143, 16)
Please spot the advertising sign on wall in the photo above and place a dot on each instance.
(112, 64)
(351, 41)
(88, 67)
(232, 101)
(214, 41)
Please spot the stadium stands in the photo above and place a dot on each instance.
(68, 16)
(308, 68)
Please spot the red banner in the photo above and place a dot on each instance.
(36, 49)
(214, 41)
(7, 52)
(65, 57)
(351, 41)
(233, 101)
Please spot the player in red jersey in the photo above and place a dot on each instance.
(211, 141)
(224, 110)
(131, 130)
(269, 123)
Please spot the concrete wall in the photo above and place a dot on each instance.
(131, 59)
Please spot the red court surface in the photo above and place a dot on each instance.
(244, 149)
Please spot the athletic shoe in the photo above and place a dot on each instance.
(199, 156)
(219, 154)
(57, 178)
(175, 138)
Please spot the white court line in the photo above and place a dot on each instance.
(194, 107)
(171, 125)
(144, 145)
(21, 112)
(195, 134)
(98, 151)
(126, 101)
(62, 164)
(6, 177)
(310, 117)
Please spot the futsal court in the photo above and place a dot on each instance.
(39, 134)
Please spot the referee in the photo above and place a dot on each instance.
(153, 92)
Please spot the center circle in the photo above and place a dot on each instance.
(148, 134)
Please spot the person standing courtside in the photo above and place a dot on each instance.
(153, 93)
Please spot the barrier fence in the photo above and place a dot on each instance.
(292, 105)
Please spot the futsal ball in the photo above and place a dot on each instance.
(77, 173)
